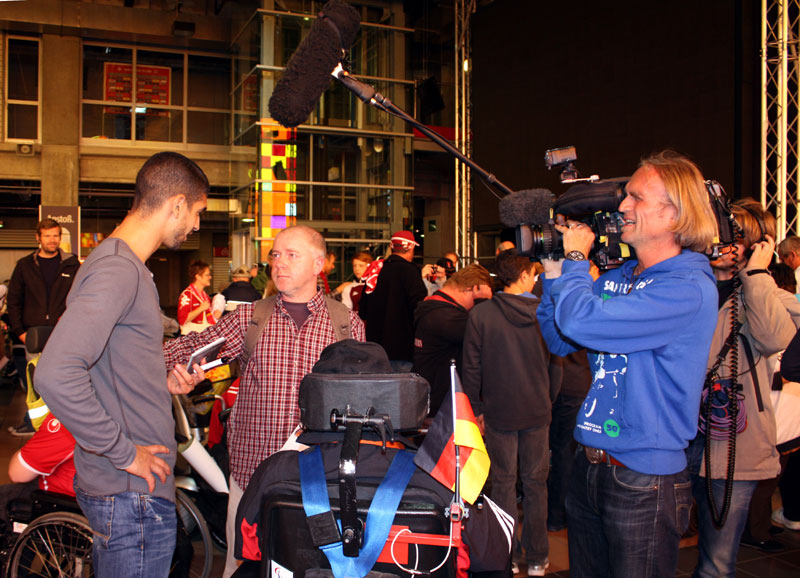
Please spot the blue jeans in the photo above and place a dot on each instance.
(624, 523)
(717, 547)
(529, 446)
(134, 534)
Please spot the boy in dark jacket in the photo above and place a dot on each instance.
(505, 375)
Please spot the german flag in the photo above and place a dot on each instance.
(437, 454)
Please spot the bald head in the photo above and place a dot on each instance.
(313, 237)
(504, 246)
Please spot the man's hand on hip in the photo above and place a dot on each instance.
(146, 463)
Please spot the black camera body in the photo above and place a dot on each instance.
(728, 231)
(593, 203)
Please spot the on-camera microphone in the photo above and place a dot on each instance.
(308, 72)
(528, 207)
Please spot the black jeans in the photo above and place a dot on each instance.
(530, 447)
(562, 452)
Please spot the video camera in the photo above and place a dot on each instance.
(594, 202)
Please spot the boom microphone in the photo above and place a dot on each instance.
(528, 207)
(308, 72)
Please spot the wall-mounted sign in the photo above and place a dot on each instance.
(152, 86)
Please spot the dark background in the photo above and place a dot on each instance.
(618, 80)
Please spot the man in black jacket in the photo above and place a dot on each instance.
(37, 292)
(440, 321)
(388, 311)
(240, 288)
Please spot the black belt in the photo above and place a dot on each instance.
(598, 456)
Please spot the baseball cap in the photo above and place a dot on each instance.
(241, 271)
(404, 239)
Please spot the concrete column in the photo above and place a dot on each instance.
(61, 94)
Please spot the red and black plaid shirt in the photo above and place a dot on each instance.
(266, 411)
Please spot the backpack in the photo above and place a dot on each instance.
(262, 312)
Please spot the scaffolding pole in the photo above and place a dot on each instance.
(463, 187)
(780, 114)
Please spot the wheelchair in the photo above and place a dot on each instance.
(50, 537)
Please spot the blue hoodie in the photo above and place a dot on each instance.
(648, 340)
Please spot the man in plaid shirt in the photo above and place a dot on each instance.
(266, 410)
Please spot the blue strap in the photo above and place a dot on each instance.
(379, 518)
(312, 483)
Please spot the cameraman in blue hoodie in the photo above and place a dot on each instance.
(647, 326)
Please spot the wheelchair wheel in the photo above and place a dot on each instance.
(56, 544)
(197, 530)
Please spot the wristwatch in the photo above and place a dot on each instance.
(575, 256)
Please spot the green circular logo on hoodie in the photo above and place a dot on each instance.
(611, 428)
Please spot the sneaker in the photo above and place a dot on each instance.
(538, 569)
(22, 431)
(514, 568)
(777, 517)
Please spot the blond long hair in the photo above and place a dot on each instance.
(695, 224)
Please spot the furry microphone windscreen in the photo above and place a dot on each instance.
(528, 207)
(308, 72)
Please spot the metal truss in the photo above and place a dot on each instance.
(463, 190)
(780, 113)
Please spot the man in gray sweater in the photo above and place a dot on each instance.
(103, 375)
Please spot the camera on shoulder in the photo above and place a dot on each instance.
(594, 202)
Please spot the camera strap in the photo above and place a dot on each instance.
(748, 351)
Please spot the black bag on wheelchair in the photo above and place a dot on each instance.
(304, 513)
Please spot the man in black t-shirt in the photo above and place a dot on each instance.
(439, 324)
(37, 292)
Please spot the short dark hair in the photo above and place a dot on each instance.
(784, 276)
(196, 267)
(165, 175)
(469, 276)
(510, 266)
(47, 224)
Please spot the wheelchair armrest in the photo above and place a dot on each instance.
(44, 502)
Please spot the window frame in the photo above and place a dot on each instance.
(7, 101)
(184, 108)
